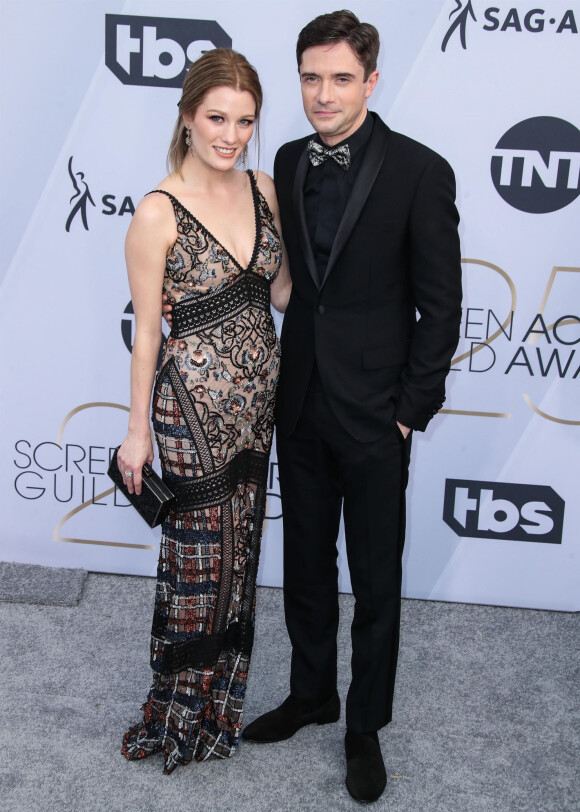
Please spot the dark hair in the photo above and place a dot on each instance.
(342, 26)
(220, 67)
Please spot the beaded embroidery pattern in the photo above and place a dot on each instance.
(213, 406)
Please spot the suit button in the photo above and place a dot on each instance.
(320, 309)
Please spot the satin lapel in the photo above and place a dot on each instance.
(370, 167)
(299, 180)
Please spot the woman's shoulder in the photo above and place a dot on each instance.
(156, 206)
(263, 179)
(154, 216)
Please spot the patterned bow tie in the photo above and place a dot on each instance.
(318, 154)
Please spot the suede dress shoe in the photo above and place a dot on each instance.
(283, 722)
(366, 776)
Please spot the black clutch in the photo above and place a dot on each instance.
(155, 499)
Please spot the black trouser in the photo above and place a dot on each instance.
(322, 469)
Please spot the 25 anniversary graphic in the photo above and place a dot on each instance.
(499, 340)
(72, 472)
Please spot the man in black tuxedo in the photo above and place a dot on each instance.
(370, 227)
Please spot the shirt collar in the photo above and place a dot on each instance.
(358, 138)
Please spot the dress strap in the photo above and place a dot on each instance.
(257, 196)
(174, 201)
(160, 192)
(253, 181)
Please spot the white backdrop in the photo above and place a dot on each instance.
(493, 501)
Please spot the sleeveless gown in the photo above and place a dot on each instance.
(213, 406)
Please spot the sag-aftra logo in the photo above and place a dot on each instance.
(81, 201)
(531, 21)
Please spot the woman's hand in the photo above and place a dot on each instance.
(403, 429)
(133, 453)
(167, 310)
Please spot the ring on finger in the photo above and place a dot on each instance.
(129, 474)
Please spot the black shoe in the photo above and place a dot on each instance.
(366, 777)
(283, 722)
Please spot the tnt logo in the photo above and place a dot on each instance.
(156, 51)
(502, 510)
(535, 166)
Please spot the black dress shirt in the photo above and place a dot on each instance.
(326, 193)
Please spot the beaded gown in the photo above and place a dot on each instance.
(213, 404)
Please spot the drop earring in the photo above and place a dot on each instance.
(244, 156)
(188, 141)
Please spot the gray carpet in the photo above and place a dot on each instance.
(486, 713)
(30, 583)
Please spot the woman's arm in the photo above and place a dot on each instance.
(281, 287)
(148, 240)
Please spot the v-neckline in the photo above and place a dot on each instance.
(258, 229)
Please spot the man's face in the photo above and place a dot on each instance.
(334, 92)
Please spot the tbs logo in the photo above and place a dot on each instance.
(156, 51)
(535, 166)
(502, 510)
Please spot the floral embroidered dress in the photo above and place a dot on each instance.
(213, 406)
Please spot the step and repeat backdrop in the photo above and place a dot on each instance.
(89, 91)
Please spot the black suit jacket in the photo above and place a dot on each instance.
(383, 325)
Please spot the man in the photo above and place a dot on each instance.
(370, 227)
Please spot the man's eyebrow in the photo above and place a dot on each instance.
(340, 74)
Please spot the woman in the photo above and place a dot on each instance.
(212, 405)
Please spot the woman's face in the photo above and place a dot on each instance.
(222, 126)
